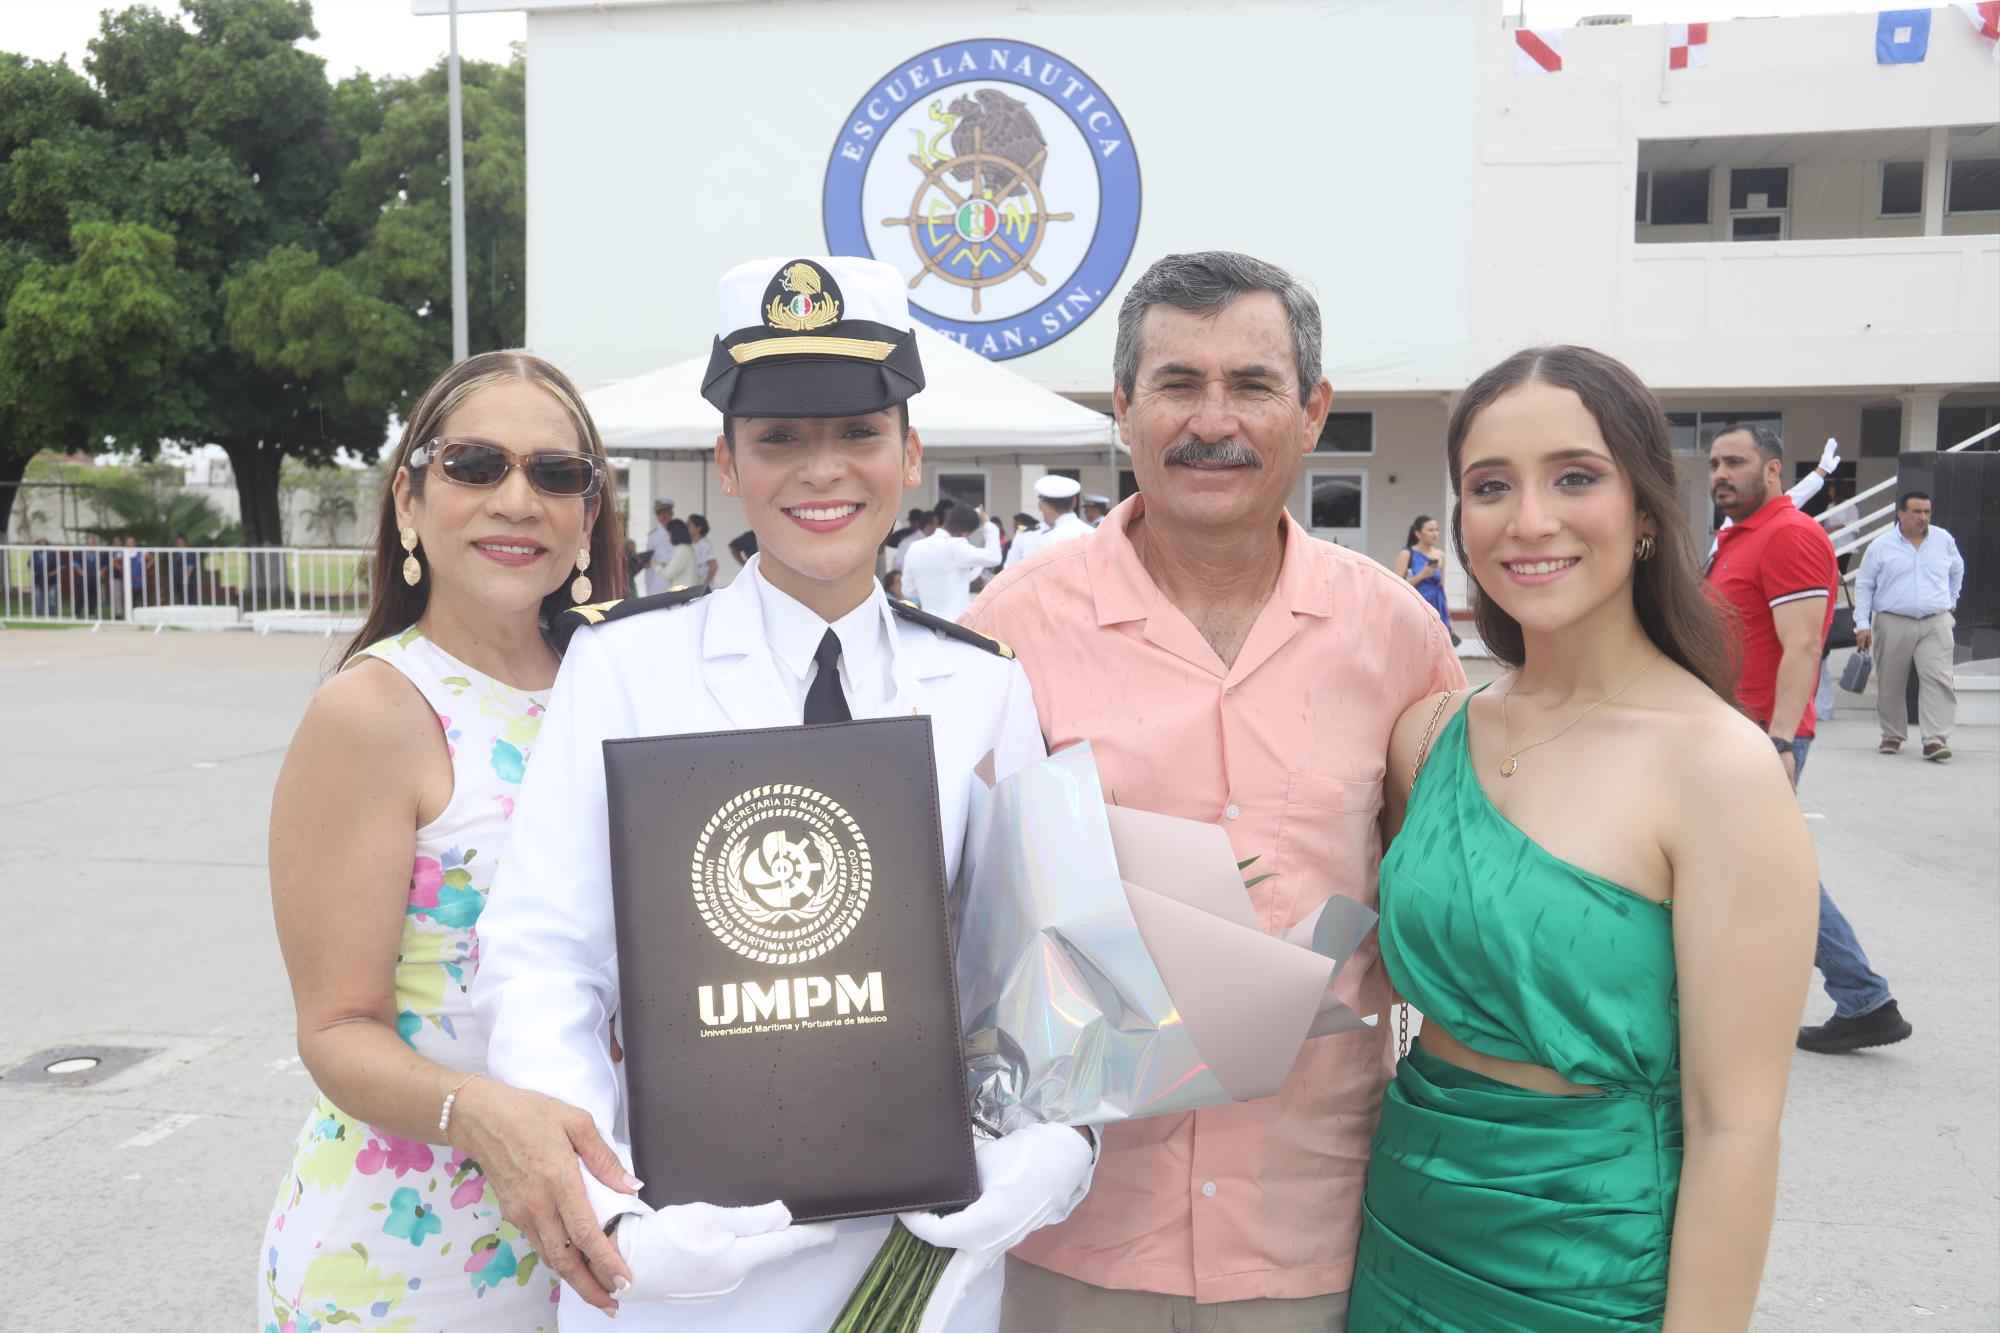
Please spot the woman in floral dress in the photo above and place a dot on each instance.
(389, 819)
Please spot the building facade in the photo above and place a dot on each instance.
(1783, 231)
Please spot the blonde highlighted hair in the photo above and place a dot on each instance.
(394, 605)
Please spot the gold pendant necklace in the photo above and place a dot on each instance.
(1513, 759)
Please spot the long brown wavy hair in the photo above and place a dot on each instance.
(394, 605)
(1668, 592)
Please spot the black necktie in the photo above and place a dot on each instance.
(824, 701)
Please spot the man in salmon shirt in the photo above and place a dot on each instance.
(1225, 666)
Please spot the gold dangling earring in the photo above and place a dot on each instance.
(579, 587)
(413, 572)
(1645, 547)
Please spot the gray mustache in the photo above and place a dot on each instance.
(1228, 453)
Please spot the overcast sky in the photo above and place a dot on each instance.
(380, 36)
(383, 37)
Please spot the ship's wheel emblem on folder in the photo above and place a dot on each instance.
(781, 874)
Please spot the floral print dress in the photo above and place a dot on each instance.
(376, 1234)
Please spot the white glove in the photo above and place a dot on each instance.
(1028, 1179)
(697, 1251)
(1829, 457)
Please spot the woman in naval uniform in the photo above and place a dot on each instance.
(813, 363)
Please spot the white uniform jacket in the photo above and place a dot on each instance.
(547, 983)
(1067, 527)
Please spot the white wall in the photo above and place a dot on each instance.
(666, 143)
(1555, 257)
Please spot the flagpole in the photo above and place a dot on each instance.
(460, 336)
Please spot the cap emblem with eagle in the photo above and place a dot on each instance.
(802, 298)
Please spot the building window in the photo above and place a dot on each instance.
(1757, 227)
(1347, 433)
(1642, 199)
(1680, 198)
(1759, 189)
(1962, 423)
(1758, 200)
(1337, 505)
(1902, 189)
(1128, 484)
(1973, 186)
(966, 488)
(1881, 432)
(1693, 432)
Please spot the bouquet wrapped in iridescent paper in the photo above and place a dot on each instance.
(1111, 965)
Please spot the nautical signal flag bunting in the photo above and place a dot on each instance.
(1687, 46)
(1538, 52)
(1985, 18)
(1902, 36)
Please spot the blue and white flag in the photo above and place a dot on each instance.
(1902, 36)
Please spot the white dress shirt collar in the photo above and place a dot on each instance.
(794, 631)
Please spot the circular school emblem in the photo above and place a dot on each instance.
(781, 874)
(1000, 179)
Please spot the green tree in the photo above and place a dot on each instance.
(232, 250)
(378, 322)
(155, 516)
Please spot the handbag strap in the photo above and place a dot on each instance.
(1430, 730)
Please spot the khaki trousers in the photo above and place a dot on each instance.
(1038, 1301)
(1902, 644)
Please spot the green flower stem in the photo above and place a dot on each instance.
(891, 1295)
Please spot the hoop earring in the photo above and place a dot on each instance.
(413, 573)
(579, 587)
(1644, 548)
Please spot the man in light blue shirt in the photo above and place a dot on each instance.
(1903, 599)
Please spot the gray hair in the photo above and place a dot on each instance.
(1205, 282)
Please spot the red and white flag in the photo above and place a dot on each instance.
(1538, 52)
(1687, 46)
(1985, 16)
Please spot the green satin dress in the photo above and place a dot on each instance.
(1491, 1207)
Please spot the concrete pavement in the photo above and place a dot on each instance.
(135, 777)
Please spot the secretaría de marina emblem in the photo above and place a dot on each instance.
(1000, 179)
(781, 874)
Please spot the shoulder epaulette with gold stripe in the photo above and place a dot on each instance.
(949, 628)
(597, 613)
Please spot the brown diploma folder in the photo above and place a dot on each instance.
(787, 1005)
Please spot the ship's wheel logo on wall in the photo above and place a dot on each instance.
(1002, 182)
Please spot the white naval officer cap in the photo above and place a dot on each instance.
(819, 336)
(1054, 487)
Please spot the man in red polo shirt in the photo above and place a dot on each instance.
(1776, 568)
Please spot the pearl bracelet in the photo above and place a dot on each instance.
(444, 1115)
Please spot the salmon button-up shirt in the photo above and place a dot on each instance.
(1285, 748)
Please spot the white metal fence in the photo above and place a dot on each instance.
(191, 587)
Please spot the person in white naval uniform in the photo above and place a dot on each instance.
(1056, 497)
(816, 445)
(938, 572)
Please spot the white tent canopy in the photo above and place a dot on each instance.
(968, 402)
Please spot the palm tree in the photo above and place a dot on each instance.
(156, 518)
(333, 504)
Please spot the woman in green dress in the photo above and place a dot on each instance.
(1601, 900)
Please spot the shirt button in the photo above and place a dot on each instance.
(1232, 811)
(1208, 1189)
(1229, 689)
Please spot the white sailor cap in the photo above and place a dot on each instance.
(1054, 487)
(1101, 501)
(821, 336)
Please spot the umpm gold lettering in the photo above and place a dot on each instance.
(786, 998)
